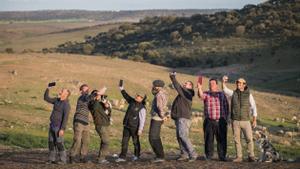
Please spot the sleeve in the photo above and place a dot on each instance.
(226, 107)
(227, 91)
(47, 98)
(180, 90)
(126, 96)
(253, 109)
(142, 119)
(66, 112)
(160, 102)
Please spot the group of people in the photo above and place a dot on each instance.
(217, 112)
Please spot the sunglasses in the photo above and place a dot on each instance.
(240, 82)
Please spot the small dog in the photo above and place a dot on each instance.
(268, 152)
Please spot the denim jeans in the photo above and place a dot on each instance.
(183, 126)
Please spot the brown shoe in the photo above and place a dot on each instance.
(238, 160)
(251, 159)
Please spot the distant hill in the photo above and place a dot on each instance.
(97, 15)
(218, 39)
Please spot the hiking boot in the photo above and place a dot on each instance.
(50, 162)
(251, 159)
(182, 158)
(158, 160)
(118, 160)
(192, 159)
(84, 160)
(61, 163)
(238, 160)
(71, 160)
(223, 159)
(135, 158)
(102, 161)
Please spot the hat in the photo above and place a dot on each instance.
(158, 83)
(241, 80)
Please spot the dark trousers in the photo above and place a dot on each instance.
(219, 129)
(55, 142)
(133, 133)
(154, 138)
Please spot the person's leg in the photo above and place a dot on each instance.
(104, 135)
(155, 140)
(51, 146)
(183, 152)
(85, 142)
(208, 138)
(237, 138)
(247, 131)
(77, 128)
(184, 128)
(136, 142)
(125, 140)
(221, 135)
(60, 146)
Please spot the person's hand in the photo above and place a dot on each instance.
(61, 133)
(173, 74)
(199, 86)
(140, 132)
(254, 124)
(165, 119)
(225, 79)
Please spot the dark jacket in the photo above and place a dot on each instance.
(131, 119)
(182, 105)
(82, 111)
(98, 110)
(60, 112)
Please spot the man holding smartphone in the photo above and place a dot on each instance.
(133, 123)
(181, 114)
(58, 122)
(81, 126)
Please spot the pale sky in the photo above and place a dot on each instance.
(12, 5)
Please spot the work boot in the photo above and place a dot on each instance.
(238, 160)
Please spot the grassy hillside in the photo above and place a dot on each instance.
(34, 36)
(24, 116)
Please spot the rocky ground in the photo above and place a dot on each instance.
(16, 159)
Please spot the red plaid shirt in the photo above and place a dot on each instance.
(215, 105)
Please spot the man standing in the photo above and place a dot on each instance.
(58, 122)
(181, 114)
(215, 122)
(81, 126)
(158, 116)
(241, 102)
(133, 123)
(101, 112)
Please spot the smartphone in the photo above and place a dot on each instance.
(121, 83)
(200, 79)
(51, 84)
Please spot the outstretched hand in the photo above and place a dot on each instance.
(225, 79)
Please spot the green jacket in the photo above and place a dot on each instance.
(240, 105)
(100, 114)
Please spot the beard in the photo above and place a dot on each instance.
(154, 91)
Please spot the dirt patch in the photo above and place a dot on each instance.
(15, 159)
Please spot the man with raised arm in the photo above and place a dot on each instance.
(242, 105)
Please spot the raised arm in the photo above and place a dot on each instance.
(47, 98)
(200, 92)
(176, 85)
(126, 96)
(226, 90)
